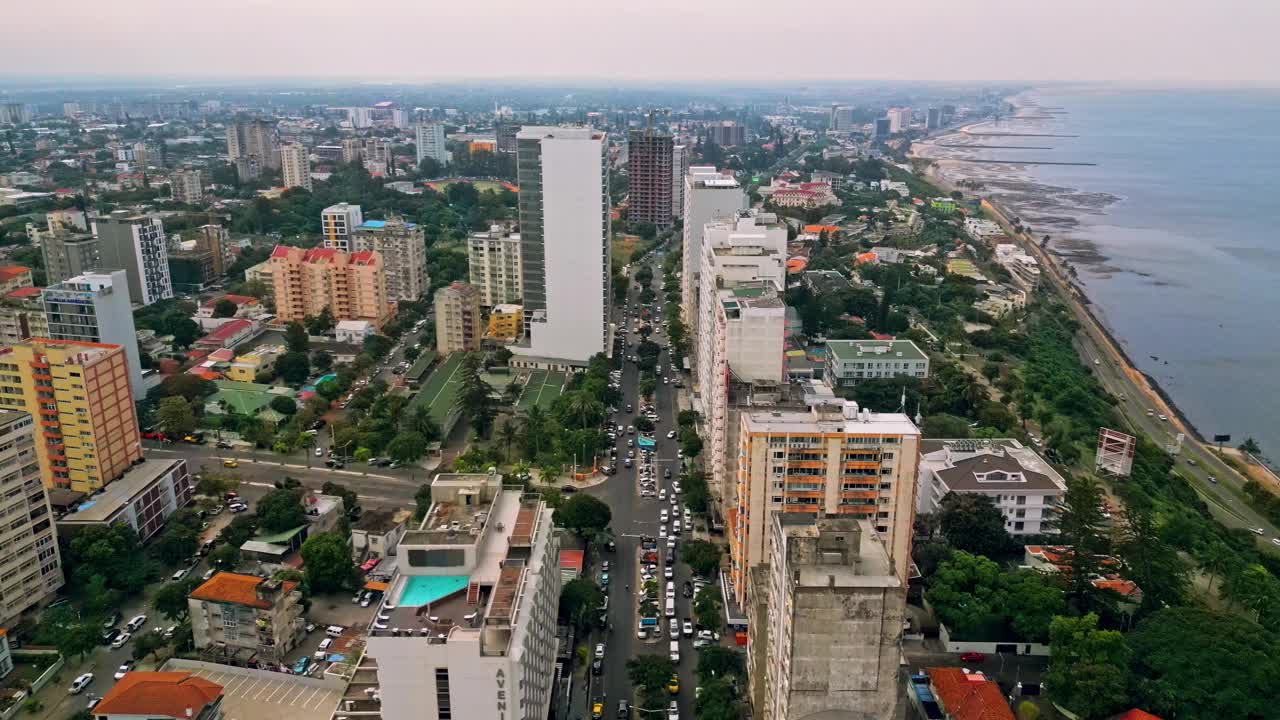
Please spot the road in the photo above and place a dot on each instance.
(633, 516)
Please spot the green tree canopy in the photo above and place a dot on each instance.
(407, 447)
(284, 405)
(176, 416)
(702, 557)
(972, 523)
(296, 338)
(112, 551)
(580, 602)
(224, 308)
(294, 366)
(583, 515)
(326, 560)
(280, 510)
(976, 600)
(1088, 667)
(171, 599)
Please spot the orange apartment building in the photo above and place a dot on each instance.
(834, 459)
(352, 285)
(79, 393)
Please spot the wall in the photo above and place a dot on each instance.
(45, 678)
(989, 648)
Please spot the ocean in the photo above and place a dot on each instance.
(1174, 231)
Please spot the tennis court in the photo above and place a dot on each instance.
(542, 389)
(440, 390)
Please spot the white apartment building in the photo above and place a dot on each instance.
(708, 195)
(94, 307)
(338, 223)
(295, 166)
(137, 244)
(1025, 487)
(563, 175)
(431, 143)
(826, 622)
(982, 229)
(850, 361)
(834, 458)
(899, 120)
(403, 247)
(469, 628)
(493, 261)
(1024, 268)
(31, 565)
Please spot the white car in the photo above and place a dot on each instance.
(120, 641)
(123, 669)
(599, 650)
(80, 684)
(136, 622)
(673, 711)
(687, 627)
(669, 572)
(663, 515)
(675, 528)
(662, 531)
(671, 434)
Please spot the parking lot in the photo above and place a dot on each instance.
(250, 694)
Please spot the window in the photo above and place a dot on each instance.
(444, 709)
(1018, 525)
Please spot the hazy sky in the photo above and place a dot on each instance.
(1181, 42)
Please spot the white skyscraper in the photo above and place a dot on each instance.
(94, 307)
(564, 222)
(431, 142)
(708, 195)
(295, 165)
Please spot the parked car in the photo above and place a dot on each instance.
(600, 650)
(121, 640)
(80, 683)
(136, 622)
(972, 657)
(230, 464)
(124, 668)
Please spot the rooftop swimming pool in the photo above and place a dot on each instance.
(423, 589)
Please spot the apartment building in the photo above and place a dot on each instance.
(727, 133)
(471, 631)
(13, 277)
(708, 195)
(352, 285)
(232, 613)
(565, 251)
(144, 499)
(431, 142)
(494, 266)
(403, 248)
(851, 361)
(256, 139)
(216, 240)
(261, 273)
(1025, 487)
(187, 186)
(31, 566)
(338, 223)
(22, 316)
(459, 322)
(649, 177)
(826, 621)
(295, 166)
(505, 323)
(834, 458)
(94, 308)
(1024, 268)
(80, 394)
(679, 169)
(67, 254)
(137, 244)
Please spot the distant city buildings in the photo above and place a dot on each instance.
(403, 248)
(337, 223)
(494, 265)
(186, 186)
(353, 286)
(882, 128)
(841, 119)
(431, 142)
(94, 308)
(726, 133)
(252, 146)
(899, 120)
(215, 240)
(295, 166)
(137, 244)
(649, 178)
(933, 119)
(459, 322)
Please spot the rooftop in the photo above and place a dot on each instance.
(460, 508)
(968, 695)
(989, 465)
(9, 272)
(159, 694)
(830, 416)
(103, 505)
(237, 589)
(849, 350)
(23, 293)
(380, 522)
(866, 565)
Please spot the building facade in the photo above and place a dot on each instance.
(679, 169)
(565, 251)
(829, 633)
(494, 266)
(245, 612)
(256, 139)
(1026, 489)
(459, 322)
(836, 459)
(94, 308)
(67, 254)
(22, 316)
(851, 361)
(80, 394)
(137, 244)
(187, 186)
(649, 177)
(403, 248)
(431, 142)
(295, 166)
(338, 223)
(215, 240)
(144, 499)
(352, 285)
(708, 195)
(31, 566)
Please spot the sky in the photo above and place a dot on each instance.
(1194, 43)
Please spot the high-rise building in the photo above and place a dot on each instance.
(565, 255)
(67, 254)
(679, 169)
(899, 120)
(377, 150)
(215, 240)
(22, 316)
(836, 459)
(826, 621)
(933, 119)
(505, 134)
(726, 133)
(841, 119)
(254, 139)
(459, 322)
(28, 534)
(400, 118)
(708, 195)
(403, 248)
(361, 117)
(15, 113)
(94, 308)
(136, 243)
(472, 609)
(70, 109)
(882, 127)
(245, 611)
(337, 223)
(352, 285)
(69, 220)
(295, 166)
(80, 393)
(352, 149)
(431, 142)
(493, 261)
(186, 186)
(649, 177)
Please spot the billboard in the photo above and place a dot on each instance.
(1115, 452)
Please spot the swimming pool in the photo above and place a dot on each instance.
(422, 589)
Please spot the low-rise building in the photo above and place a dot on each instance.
(1024, 268)
(982, 229)
(852, 361)
(505, 322)
(262, 359)
(144, 498)
(377, 533)
(1057, 559)
(1025, 487)
(161, 696)
(964, 694)
(232, 612)
(352, 331)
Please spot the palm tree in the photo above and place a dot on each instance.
(1215, 560)
(585, 408)
(508, 433)
(1250, 446)
(551, 472)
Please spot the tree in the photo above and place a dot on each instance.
(1150, 561)
(974, 524)
(183, 329)
(171, 599)
(328, 390)
(719, 701)
(1079, 525)
(295, 337)
(580, 603)
(1250, 446)
(320, 324)
(1088, 667)
(644, 424)
(475, 396)
(706, 608)
(407, 447)
(225, 557)
(176, 416)
(284, 405)
(651, 672)
(322, 361)
(508, 433)
(112, 551)
(76, 639)
(715, 661)
(350, 500)
(583, 515)
(945, 426)
(976, 600)
(702, 557)
(294, 366)
(224, 308)
(326, 560)
(241, 529)
(422, 501)
(176, 544)
(147, 643)
(191, 387)
(281, 510)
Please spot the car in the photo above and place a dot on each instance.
(1163, 418)
(364, 601)
(110, 636)
(662, 516)
(237, 507)
(111, 621)
(80, 683)
(208, 574)
(169, 632)
(1191, 462)
(686, 628)
(136, 622)
(666, 473)
(1150, 412)
(599, 650)
(709, 635)
(604, 579)
(668, 572)
(319, 452)
(1275, 541)
(597, 711)
(121, 640)
(124, 668)
(673, 711)
(222, 445)
(230, 464)
(1258, 531)
(624, 711)
(597, 666)
(973, 657)
(604, 565)
(673, 685)
(671, 434)
(1213, 479)
(674, 627)
(662, 531)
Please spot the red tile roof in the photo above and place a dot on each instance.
(571, 560)
(281, 251)
(9, 272)
(1136, 714)
(362, 257)
(159, 694)
(23, 293)
(224, 331)
(968, 696)
(237, 299)
(315, 254)
(235, 589)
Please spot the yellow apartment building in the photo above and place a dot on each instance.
(505, 322)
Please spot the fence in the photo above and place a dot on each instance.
(45, 678)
